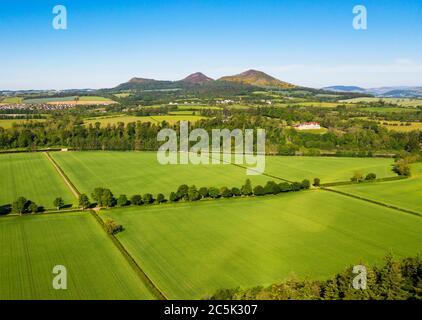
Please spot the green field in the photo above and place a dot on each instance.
(191, 250)
(406, 194)
(172, 119)
(67, 99)
(139, 172)
(11, 100)
(8, 123)
(31, 246)
(328, 169)
(387, 110)
(404, 102)
(31, 175)
(401, 126)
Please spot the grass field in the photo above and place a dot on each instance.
(71, 100)
(31, 175)
(406, 194)
(404, 102)
(191, 250)
(328, 169)
(31, 246)
(11, 100)
(139, 172)
(401, 126)
(387, 110)
(8, 123)
(172, 119)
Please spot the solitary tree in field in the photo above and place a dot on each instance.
(317, 182)
(58, 203)
(84, 201)
(20, 205)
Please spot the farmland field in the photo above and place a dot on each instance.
(8, 123)
(11, 100)
(328, 169)
(191, 250)
(404, 102)
(31, 246)
(387, 110)
(71, 100)
(172, 119)
(406, 194)
(140, 172)
(31, 175)
(402, 126)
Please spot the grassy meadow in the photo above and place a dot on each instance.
(32, 246)
(140, 172)
(404, 102)
(8, 123)
(31, 175)
(402, 126)
(191, 250)
(406, 194)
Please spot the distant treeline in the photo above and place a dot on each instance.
(348, 136)
(394, 280)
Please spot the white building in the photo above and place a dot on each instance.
(308, 126)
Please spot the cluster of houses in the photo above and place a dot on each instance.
(44, 107)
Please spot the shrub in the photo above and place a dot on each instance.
(122, 201)
(161, 198)
(370, 177)
(112, 226)
(306, 184)
(402, 168)
(271, 188)
(20, 205)
(296, 186)
(33, 207)
(214, 193)
(148, 198)
(357, 177)
(136, 200)
(204, 192)
(84, 201)
(173, 197)
(246, 189)
(236, 192)
(58, 203)
(317, 182)
(284, 187)
(226, 192)
(193, 194)
(259, 191)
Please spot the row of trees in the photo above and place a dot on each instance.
(395, 280)
(22, 205)
(104, 197)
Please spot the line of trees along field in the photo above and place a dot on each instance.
(348, 136)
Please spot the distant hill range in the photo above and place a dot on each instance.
(248, 79)
(383, 92)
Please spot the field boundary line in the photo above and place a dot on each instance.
(373, 202)
(66, 179)
(153, 288)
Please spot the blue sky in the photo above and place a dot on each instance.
(305, 42)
